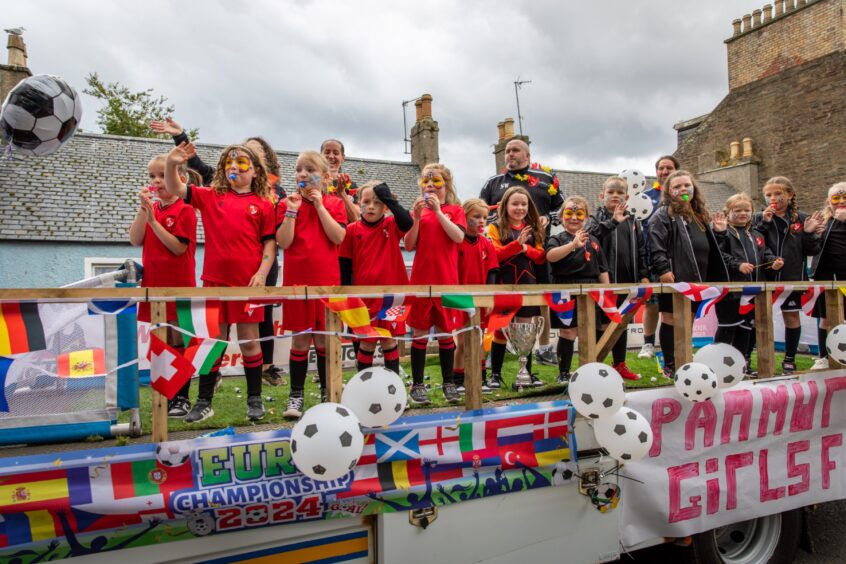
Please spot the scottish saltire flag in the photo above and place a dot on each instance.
(747, 299)
(562, 306)
(391, 304)
(607, 301)
(636, 298)
(708, 296)
(397, 445)
(810, 297)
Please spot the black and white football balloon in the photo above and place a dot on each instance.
(327, 442)
(40, 115)
(635, 179)
(597, 390)
(696, 381)
(725, 360)
(626, 435)
(835, 343)
(640, 206)
(376, 396)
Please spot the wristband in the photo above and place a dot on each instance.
(290, 213)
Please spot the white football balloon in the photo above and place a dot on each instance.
(696, 381)
(640, 206)
(626, 435)
(376, 395)
(326, 442)
(635, 179)
(835, 343)
(725, 360)
(597, 390)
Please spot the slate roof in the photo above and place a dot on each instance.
(87, 190)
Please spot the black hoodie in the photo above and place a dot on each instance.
(622, 244)
(672, 250)
(790, 242)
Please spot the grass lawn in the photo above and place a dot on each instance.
(230, 402)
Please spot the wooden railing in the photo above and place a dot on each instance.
(589, 348)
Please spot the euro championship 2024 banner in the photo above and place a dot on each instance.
(87, 502)
(756, 449)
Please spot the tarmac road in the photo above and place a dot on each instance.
(826, 528)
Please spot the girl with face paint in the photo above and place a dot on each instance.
(310, 228)
(792, 236)
(683, 249)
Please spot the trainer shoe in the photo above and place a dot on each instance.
(646, 351)
(294, 409)
(255, 408)
(669, 372)
(201, 411)
(547, 355)
(820, 364)
(537, 382)
(273, 376)
(418, 395)
(625, 372)
(495, 381)
(788, 367)
(451, 393)
(178, 407)
(563, 378)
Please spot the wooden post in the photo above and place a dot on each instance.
(834, 317)
(334, 371)
(586, 311)
(764, 333)
(683, 329)
(473, 364)
(158, 314)
(612, 335)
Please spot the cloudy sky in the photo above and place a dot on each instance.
(609, 78)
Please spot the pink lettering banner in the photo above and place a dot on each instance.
(759, 448)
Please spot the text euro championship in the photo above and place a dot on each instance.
(251, 485)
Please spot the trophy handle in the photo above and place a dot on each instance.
(540, 322)
(506, 330)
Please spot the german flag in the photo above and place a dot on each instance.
(81, 364)
(21, 329)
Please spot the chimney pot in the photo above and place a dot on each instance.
(418, 107)
(736, 27)
(756, 18)
(789, 6)
(747, 147)
(500, 128)
(747, 22)
(424, 134)
(768, 13)
(508, 125)
(426, 106)
(734, 153)
(16, 50)
(779, 8)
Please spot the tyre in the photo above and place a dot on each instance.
(773, 539)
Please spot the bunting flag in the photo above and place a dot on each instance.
(5, 365)
(504, 309)
(355, 315)
(780, 295)
(460, 302)
(203, 353)
(38, 491)
(637, 297)
(112, 307)
(810, 297)
(747, 299)
(562, 306)
(169, 370)
(81, 364)
(21, 329)
(707, 296)
(30, 526)
(200, 318)
(258, 303)
(392, 308)
(607, 301)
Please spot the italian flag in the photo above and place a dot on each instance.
(203, 354)
(461, 302)
(201, 318)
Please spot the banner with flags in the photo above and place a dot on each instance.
(21, 328)
(169, 370)
(199, 317)
(356, 316)
(607, 302)
(504, 309)
(707, 296)
(81, 364)
(747, 299)
(55, 507)
(562, 306)
(637, 297)
(203, 353)
(810, 297)
(394, 307)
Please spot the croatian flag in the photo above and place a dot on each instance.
(392, 308)
(607, 301)
(636, 298)
(706, 295)
(562, 306)
(747, 299)
(809, 298)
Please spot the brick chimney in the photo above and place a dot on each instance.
(506, 133)
(15, 69)
(424, 134)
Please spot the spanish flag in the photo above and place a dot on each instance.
(81, 364)
(21, 329)
(355, 315)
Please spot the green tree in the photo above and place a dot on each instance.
(129, 113)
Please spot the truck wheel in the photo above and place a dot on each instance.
(773, 539)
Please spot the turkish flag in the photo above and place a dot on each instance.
(504, 309)
(169, 370)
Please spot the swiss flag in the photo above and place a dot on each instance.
(169, 370)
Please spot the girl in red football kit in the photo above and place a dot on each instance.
(310, 227)
(239, 225)
(370, 256)
(168, 231)
(436, 234)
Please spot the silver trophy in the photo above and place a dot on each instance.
(522, 338)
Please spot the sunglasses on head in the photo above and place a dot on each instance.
(570, 213)
(241, 163)
(435, 181)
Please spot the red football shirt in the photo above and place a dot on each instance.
(236, 227)
(312, 259)
(436, 256)
(375, 253)
(162, 267)
(475, 260)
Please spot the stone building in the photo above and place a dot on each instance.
(785, 111)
